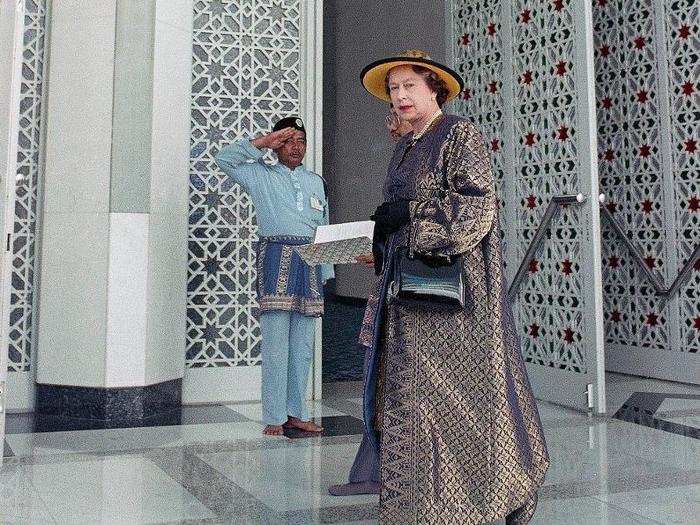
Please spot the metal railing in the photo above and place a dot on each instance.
(552, 208)
(656, 280)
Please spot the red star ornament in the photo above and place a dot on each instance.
(567, 267)
(569, 335)
(694, 204)
(533, 267)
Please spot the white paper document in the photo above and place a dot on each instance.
(338, 243)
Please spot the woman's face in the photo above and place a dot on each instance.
(410, 95)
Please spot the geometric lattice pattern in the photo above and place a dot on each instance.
(478, 51)
(683, 62)
(25, 216)
(527, 111)
(245, 76)
(648, 134)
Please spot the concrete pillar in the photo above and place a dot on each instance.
(113, 261)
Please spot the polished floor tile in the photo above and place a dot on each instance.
(619, 455)
(6, 449)
(352, 407)
(122, 440)
(689, 405)
(654, 445)
(19, 500)
(332, 426)
(290, 479)
(618, 391)
(215, 466)
(584, 510)
(642, 408)
(669, 505)
(686, 421)
(253, 411)
(112, 490)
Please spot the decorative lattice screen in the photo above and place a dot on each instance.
(245, 76)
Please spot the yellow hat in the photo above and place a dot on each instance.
(373, 76)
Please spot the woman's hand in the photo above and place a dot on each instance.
(366, 259)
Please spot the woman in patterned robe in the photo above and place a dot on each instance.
(448, 405)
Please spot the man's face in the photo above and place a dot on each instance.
(292, 152)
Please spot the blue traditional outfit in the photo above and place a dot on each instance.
(452, 431)
(290, 205)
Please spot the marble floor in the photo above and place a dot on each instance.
(639, 464)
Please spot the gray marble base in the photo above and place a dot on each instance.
(109, 404)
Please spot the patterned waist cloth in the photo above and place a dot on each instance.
(285, 281)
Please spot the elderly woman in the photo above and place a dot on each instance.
(452, 432)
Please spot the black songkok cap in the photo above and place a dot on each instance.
(290, 122)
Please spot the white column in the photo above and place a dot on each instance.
(114, 245)
(11, 14)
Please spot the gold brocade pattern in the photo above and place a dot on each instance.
(461, 439)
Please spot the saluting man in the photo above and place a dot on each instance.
(290, 203)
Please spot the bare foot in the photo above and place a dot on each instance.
(306, 426)
(273, 430)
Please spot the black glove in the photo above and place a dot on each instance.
(391, 216)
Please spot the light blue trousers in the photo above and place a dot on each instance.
(287, 352)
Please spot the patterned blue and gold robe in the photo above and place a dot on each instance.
(448, 405)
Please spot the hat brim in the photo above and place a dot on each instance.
(373, 76)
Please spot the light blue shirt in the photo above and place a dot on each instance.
(287, 202)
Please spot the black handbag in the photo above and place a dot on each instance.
(415, 282)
